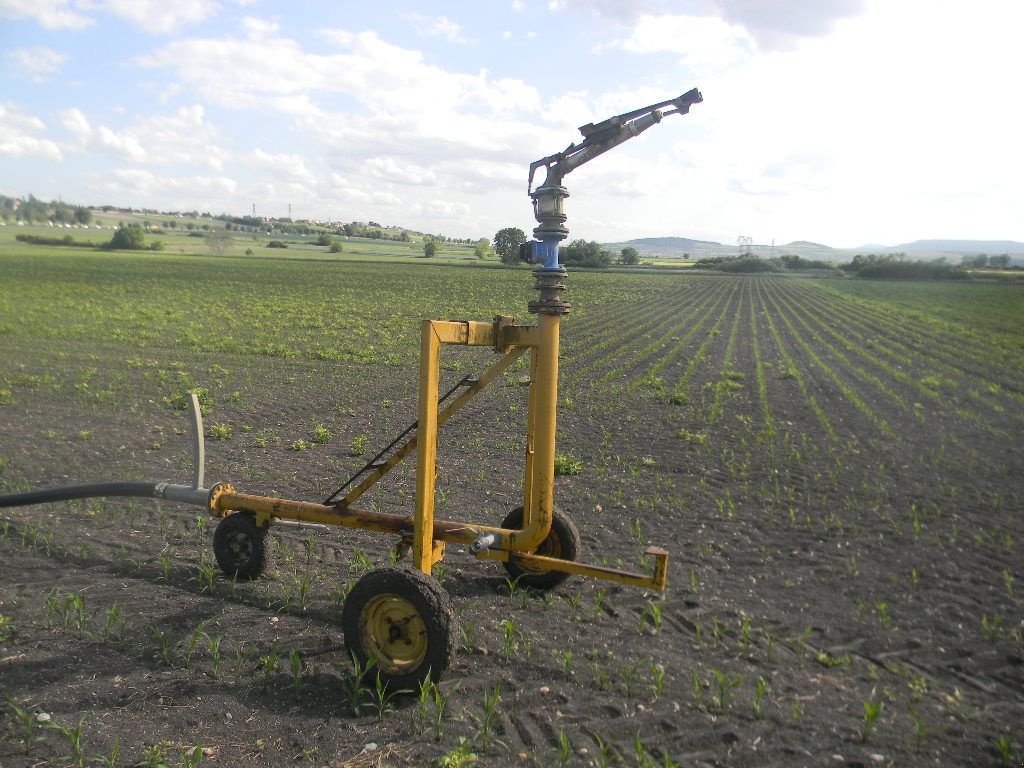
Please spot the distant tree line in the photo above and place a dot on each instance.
(894, 266)
(35, 210)
(127, 237)
(897, 266)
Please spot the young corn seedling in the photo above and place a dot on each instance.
(74, 737)
(565, 660)
(213, 647)
(872, 709)
(511, 637)
(651, 614)
(627, 675)
(574, 602)
(112, 617)
(488, 720)
(991, 628)
(643, 759)
(760, 692)
(514, 591)
(198, 634)
(565, 750)
(240, 658)
(468, 634)
(422, 711)
(111, 760)
(657, 681)
(723, 686)
(193, 758)
(29, 722)
(1004, 747)
(599, 604)
(269, 665)
(164, 646)
(356, 687)
(165, 562)
(697, 687)
(296, 664)
(205, 576)
(604, 752)
(383, 699)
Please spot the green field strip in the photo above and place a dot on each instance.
(871, 336)
(954, 342)
(679, 393)
(728, 379)
(948, 345)
(793, 370)
(930, 383)
(849, 393)
(683, 342)
(627, 312)
(819, 329)
(677, 321)
(658, 318)
(760, 376)
(981, 309)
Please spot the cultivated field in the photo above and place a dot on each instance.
(835, 467)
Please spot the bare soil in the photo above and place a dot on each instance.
(815, 578)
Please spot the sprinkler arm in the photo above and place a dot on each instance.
(598, 138)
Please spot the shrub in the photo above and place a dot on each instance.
(276, 244)
(128, 237)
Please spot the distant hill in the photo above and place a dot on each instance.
(685, 247)
(961, 246)
(805, 244)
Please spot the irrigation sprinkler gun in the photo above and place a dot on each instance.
(398, 616)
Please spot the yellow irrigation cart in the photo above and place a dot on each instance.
(399, 617)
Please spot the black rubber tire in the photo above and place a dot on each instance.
(241, 547)
(404, 599)
(563, 542)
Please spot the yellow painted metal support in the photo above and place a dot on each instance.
(426, 446)
(545, 406)
(446, 413)
(658, 581)
(531, 419)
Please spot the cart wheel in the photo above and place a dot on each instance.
(241, 547)
(563, 542)
(404, 621)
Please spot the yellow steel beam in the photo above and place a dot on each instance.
(478, 334)
(544, 384)
(426, 444)
(658, 581)
(446, 413)
(224, 500)
(531, 419)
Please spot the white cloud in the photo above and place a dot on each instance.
(440, 26)
(17, 137)
(144, 188)
(780, 23)
(51, 14)
(284, 167)
(38, 64)
(389, 169)
(160, 16)
(393, 88)
(168, 139)
(703, 43)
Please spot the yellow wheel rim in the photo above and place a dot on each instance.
(394, 632)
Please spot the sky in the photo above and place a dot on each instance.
(843, 122)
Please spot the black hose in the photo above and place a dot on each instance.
(68, 492)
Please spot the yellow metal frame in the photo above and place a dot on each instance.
(427, 535)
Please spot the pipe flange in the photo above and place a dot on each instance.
(218, 490)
